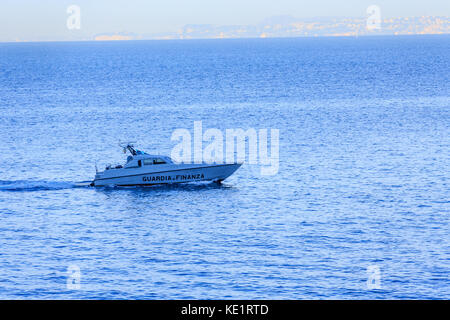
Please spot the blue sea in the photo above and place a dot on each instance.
(363, 181)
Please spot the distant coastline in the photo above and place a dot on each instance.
(284, 27)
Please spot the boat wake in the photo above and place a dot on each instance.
(37, 185)
(42, 185)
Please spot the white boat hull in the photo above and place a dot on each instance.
(165, 175)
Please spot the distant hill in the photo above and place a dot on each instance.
(288, 26)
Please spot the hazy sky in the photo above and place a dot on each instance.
(46, 19)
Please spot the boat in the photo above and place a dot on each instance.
(142, 169)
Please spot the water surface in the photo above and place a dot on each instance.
(363, 179)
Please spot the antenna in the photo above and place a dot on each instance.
(125, 144)
(128, 146)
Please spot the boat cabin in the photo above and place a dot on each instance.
(146, 160)
(140, 159)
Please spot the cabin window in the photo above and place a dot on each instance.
(148, 162)
(158, 161)
(140, 163)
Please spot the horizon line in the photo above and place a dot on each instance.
(231, 38)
